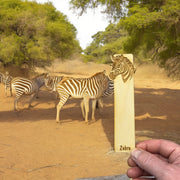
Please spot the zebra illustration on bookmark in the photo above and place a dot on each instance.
(121, 65)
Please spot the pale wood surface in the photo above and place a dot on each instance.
(124, 126)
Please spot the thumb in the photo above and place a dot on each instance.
(149, 162)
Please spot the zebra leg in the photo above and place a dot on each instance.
(6, 90)
(100, 103)
(82, 108)
(60, 105)
(37, 93)
(16, 103)
(31, 98)
(10, 90)
(86, 104)
(93, 109)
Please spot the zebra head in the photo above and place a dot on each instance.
(52, 81)
(40, 79)
(48, 81)
(7, 73)
(121, 65)
(1, 77)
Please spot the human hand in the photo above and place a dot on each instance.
(158, 158)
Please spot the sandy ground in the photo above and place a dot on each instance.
(34, 147)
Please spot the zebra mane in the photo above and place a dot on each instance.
(102, 72)
(64, 79)
(67, 78)
(39, 75)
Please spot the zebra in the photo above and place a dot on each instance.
(86, 88)
(23, 86)
(1, 77)
(52, 81)
(6, 80)
(107, 92)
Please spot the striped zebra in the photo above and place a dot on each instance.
(1, 77)
(86, 88)
(6, 80)
(23, 86)
(107, 92)
(51, 83)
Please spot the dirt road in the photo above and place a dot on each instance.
(34, 147)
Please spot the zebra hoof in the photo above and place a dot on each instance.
(17, 110)
(87, 122)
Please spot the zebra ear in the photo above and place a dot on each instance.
(46, 75)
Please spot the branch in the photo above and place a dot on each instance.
(31, 170)
(35, 169)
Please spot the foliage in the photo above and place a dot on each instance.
(114, 8)
(106, 43)
(152, 29)
(157, 29)
(34, 34)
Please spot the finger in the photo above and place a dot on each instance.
(162, 158)
(159, 146)
(135, 172)
(174, 157)
(141, 178)
(144, 178)
(131, 163)
(149, 162)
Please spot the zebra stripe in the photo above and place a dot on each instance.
(52, 81)
(86, 88)
(110, 89)
(23, 86)
(108, 92)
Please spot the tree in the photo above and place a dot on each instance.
(153, 27)
(34, 34)
(114, 8)
(106, 43)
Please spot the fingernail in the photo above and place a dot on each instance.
(135, 153)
